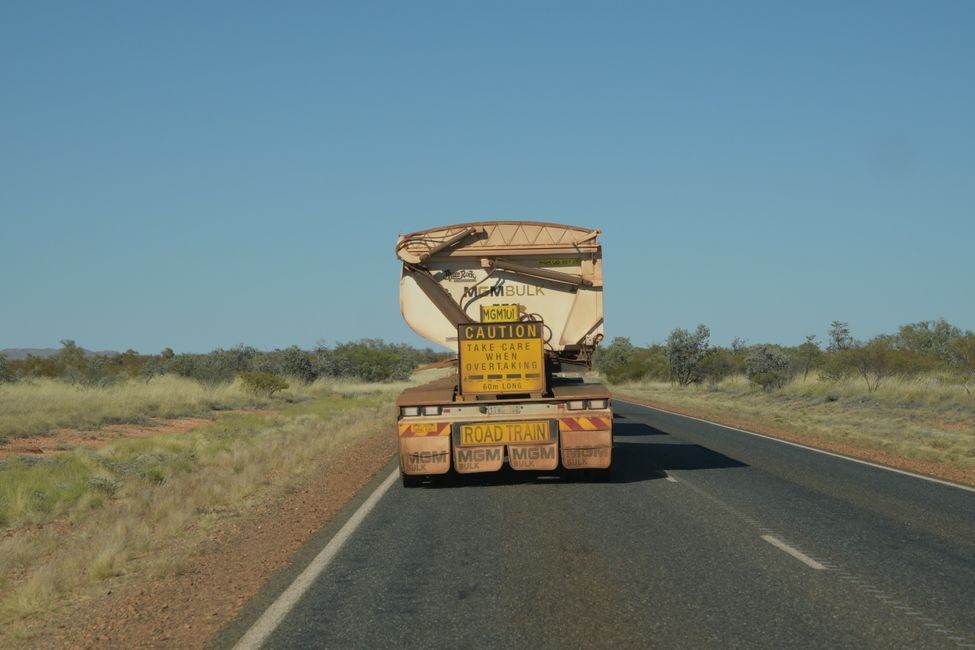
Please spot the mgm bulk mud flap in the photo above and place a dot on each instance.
(423, 451)
(588, 450)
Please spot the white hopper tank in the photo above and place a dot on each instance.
(553, 272)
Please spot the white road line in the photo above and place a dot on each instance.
(799, 555)
(273, 615)
(801, 446)
(669, 477)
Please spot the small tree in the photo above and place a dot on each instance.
(768, 366)
(6, 372)
(131, 362)
(71, 360)
(100, 370)
(839, 336)
(809, 353)
(963, 358)
(686, 353)
(874, 360)
(739, 351)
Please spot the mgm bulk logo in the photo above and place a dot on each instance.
(420, 458)
(503, 290)
(528, 453)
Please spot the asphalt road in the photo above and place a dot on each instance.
(706, 537)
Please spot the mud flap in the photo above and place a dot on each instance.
(587, 449)
(534, 457)
(469, 460)
(425, 455)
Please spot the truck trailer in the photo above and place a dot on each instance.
(521, 302)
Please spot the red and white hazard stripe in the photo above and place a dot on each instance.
(585, 424)
(424, 429)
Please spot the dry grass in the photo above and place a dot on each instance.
(924, 391)
(923, 419)
(135, 497)
(42, 406)
(136, 506)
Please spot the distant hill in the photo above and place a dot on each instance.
(21, 353)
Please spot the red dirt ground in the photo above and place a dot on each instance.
(64, 440)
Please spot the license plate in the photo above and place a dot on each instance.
(503, 433)
(505, 409)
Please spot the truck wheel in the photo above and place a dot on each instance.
(410, 481)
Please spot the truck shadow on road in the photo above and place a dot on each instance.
(642, 461)
(641, 453)
(633, 429)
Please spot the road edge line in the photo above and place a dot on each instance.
(265, 625)
(802, 446)
(794, 552)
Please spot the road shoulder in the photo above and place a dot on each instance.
(914, 466)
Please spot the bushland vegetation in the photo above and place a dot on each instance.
(934, 350)
(74, 389)
(368, 359)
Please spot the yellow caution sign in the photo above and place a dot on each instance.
(501, 358)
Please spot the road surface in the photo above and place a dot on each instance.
(706, 537)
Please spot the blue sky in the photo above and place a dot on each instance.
(197, 175)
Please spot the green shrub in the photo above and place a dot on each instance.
(963, 358)
(617, 361)
(296, 363)
(687, 353)
(263, 383)
(368, 359)
(878, 359)
(768, 366)
(928, 338)
(621, 361)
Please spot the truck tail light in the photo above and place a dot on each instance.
(577, 404)
(431, 410)
(598, 403)
(409, 411)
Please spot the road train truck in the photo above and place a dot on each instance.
(521, 302)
